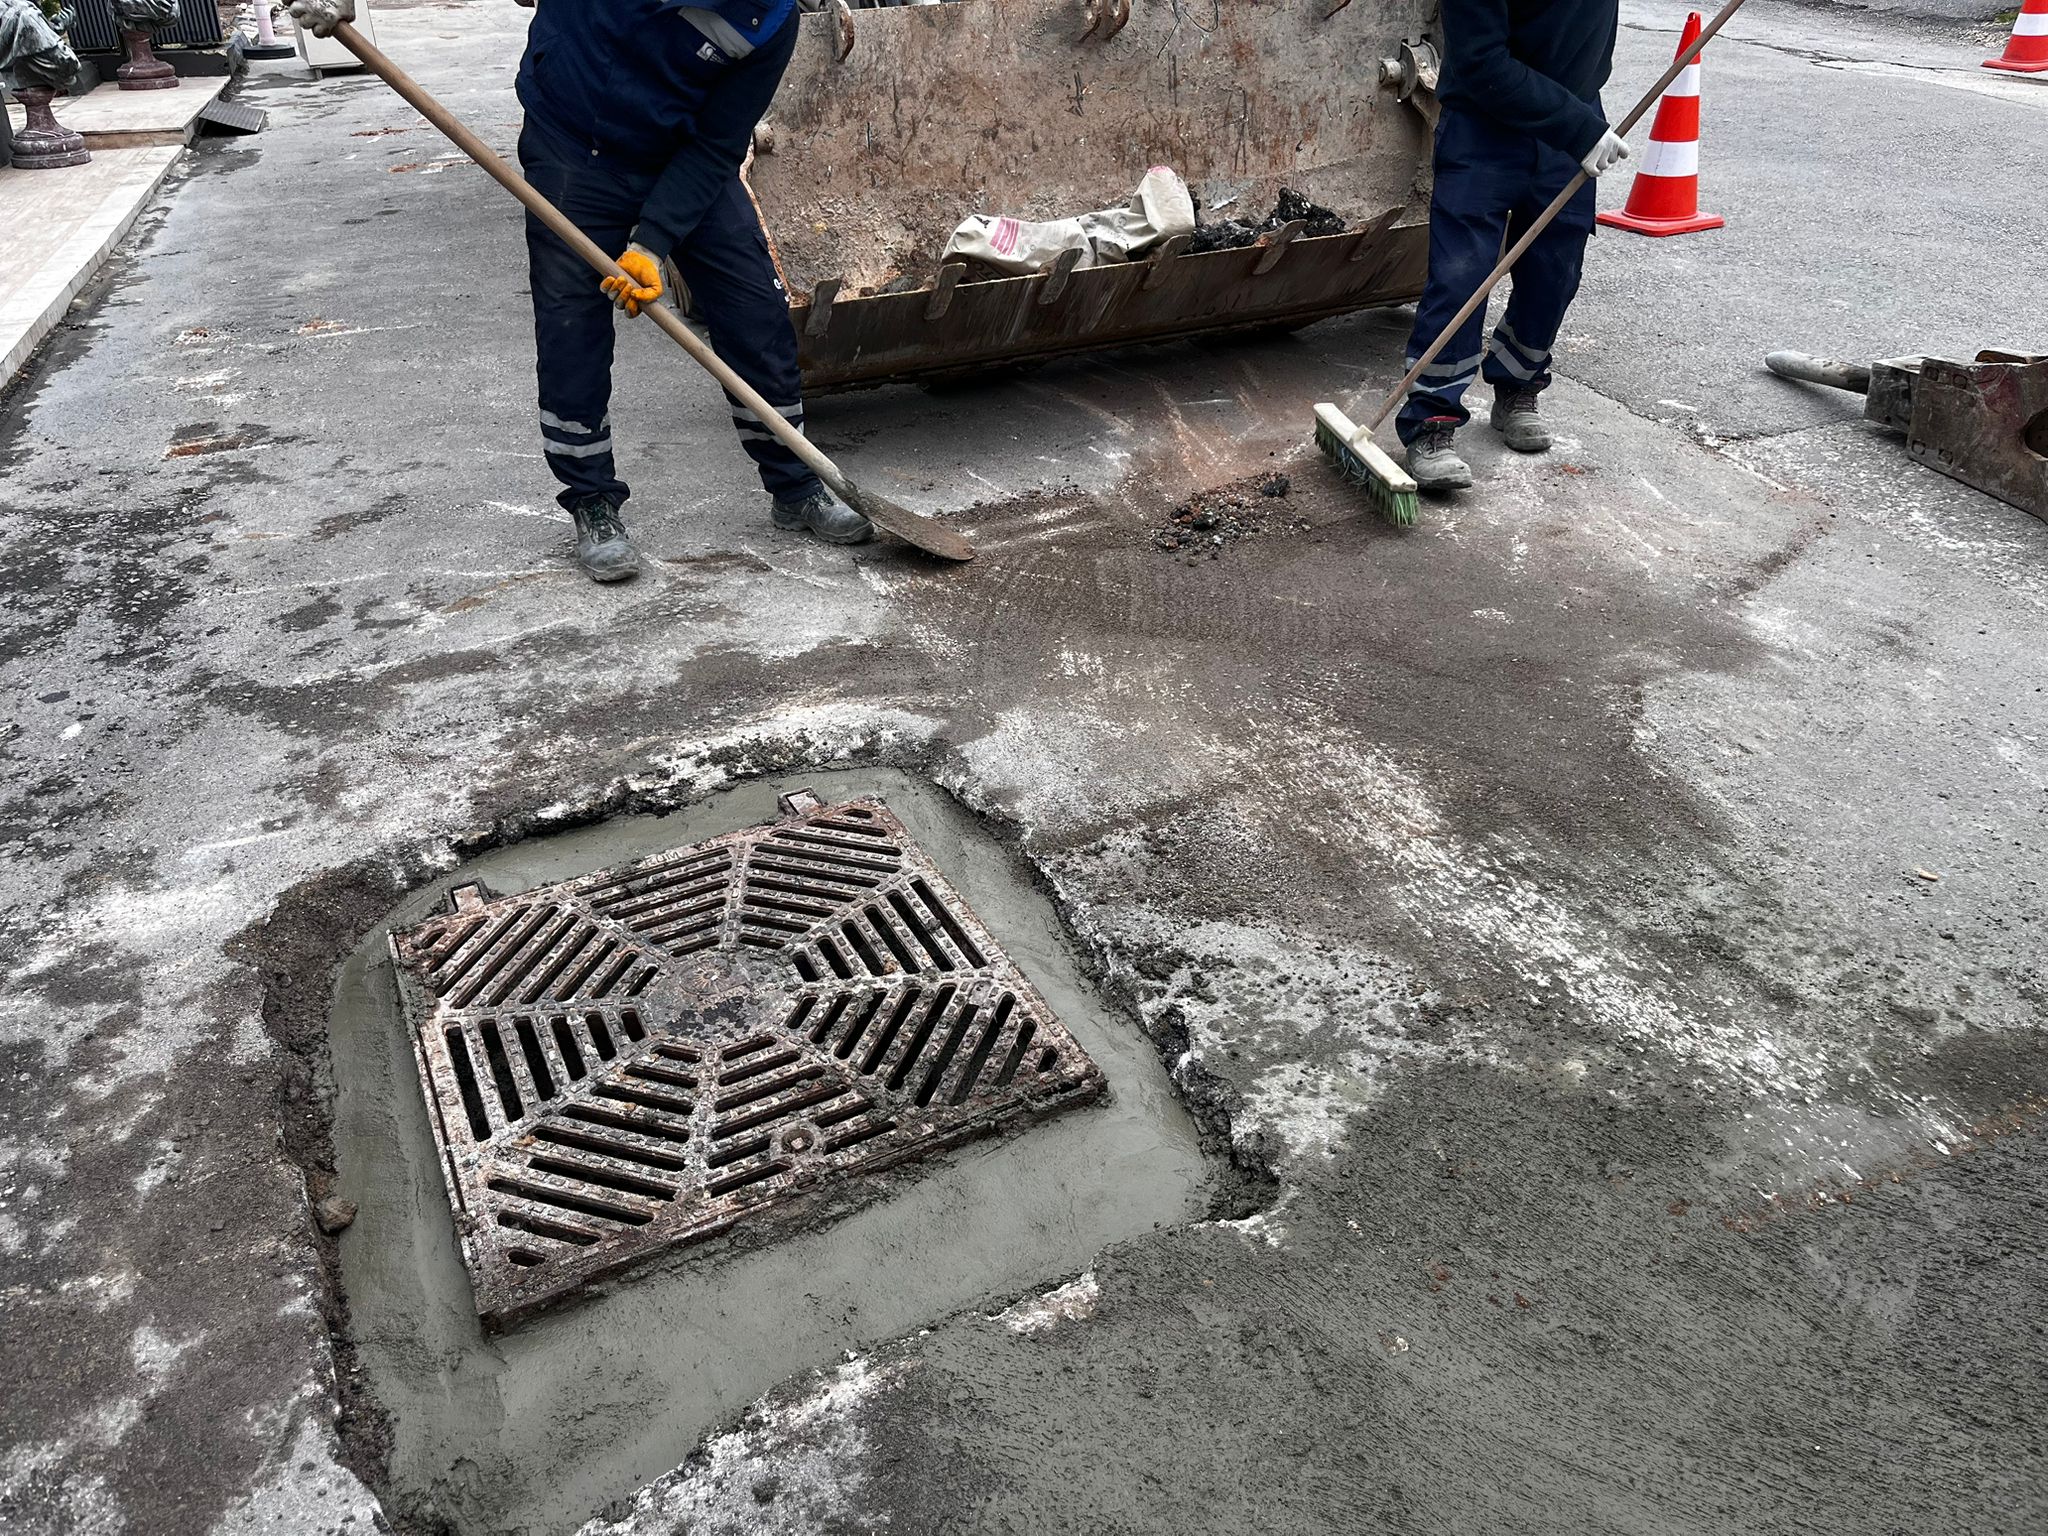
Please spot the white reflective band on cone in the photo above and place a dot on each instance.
(1688, 81)
(1672, 159)
(2031, 24)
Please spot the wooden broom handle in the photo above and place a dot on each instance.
(1557, 205)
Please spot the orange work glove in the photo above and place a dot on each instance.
(642, 282)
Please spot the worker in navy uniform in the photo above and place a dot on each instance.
(639, 114)
(1520, 92)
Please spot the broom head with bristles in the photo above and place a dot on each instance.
(1361, 461)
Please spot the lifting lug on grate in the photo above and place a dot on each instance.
(818, 320)
(1366, 238)
(1164, 257)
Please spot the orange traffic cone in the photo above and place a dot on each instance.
(2027, 51)
(1665, 199)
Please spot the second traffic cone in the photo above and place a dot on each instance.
(2027, 51)
(1665, 199)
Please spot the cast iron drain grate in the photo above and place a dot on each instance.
(650, 1054)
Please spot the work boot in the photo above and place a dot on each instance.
(1431, 460)
(1515, 419)
(602, 548)
(824, 515)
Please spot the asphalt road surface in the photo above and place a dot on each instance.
(1602, 928)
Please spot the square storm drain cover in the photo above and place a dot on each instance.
(654, 1053)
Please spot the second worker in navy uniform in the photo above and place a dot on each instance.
(1520, 92)
(639, 115)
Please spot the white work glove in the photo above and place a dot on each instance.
(1611, 149)
(321, 17)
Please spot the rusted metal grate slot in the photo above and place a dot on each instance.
(647, 1055)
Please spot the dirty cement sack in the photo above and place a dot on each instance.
(1013, 246)
(1161, 208)
(1158, 210)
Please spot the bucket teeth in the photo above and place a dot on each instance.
(942, 290)
(818, 318)
(963, 322)
(1274, 246)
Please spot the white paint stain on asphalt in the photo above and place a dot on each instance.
(1068, 1303)
(809, 1449)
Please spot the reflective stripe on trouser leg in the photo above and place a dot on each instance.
(726, 263)
(580, 455)
(1545, 281)
(768, 451)
(1506, 354)
(572, 318)
(1462, 249)
(1467, 217)
(1436, 393)
(564, 439)
(1489, 182)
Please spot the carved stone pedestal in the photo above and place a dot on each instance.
(144, 71)
(45, 144)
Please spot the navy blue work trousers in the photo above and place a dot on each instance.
(732, 281)
(1491, 182)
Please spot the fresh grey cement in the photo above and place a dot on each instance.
(1652, 704)
(539, 1428)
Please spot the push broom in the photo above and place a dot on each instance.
(1350, 446)
(924, 533)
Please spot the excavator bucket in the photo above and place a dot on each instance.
(896, 123)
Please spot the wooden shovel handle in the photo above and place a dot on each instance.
(493, 164)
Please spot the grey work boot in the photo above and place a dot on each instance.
(824, 515)
(1431, 460)
(1515, 419)
(602, 548)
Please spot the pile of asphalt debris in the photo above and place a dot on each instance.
(1228, 234)
(1209, 520)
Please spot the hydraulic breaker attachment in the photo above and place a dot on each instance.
(1984, 423)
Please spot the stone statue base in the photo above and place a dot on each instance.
(266, 44)
(45, 144)
(144, 71)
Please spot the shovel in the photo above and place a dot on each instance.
(924, 533)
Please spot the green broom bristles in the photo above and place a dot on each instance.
(1365, 464)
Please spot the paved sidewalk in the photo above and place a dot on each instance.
(108, 117)
(57, 227)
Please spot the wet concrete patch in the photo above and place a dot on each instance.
(536, 1429)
